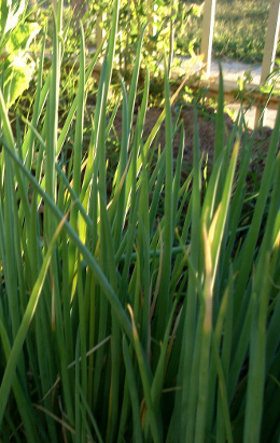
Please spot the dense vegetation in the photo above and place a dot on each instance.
(139, 301)
(239, 32)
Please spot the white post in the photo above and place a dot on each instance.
(270, 47)
(207, 33)
(271, 39)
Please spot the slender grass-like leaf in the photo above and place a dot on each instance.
(8, 134)
(69, 119)
(114, 328)
(217, 228)
(206, 313)
(41, 93)
(137, 430)
(189, 389)
(261, 292)
(75, 221)
(248, 249)
(28, 417)
(219, 135)
(101, 278)
(23, 328)
(168, 218)
(146, 380)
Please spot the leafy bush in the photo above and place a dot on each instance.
(134, 307)
(163, 19)
(16, 64)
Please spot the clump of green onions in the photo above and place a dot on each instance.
(120, 321)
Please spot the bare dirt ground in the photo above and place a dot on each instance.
(207, 128)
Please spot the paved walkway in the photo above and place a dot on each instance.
(232, 71)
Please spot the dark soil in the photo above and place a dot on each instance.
(207, 128)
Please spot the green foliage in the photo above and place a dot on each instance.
(134, 305)
(10, 14)
(16, 65)
(239, 33)
(164, 19)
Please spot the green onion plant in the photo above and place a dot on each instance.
(134, 305)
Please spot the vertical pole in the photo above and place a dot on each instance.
(207, 33)
(271, 40)
(270, 46)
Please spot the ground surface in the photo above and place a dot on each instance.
(207, 127)
(232, 72)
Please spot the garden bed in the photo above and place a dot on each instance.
(207, 130)
(142, 304)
